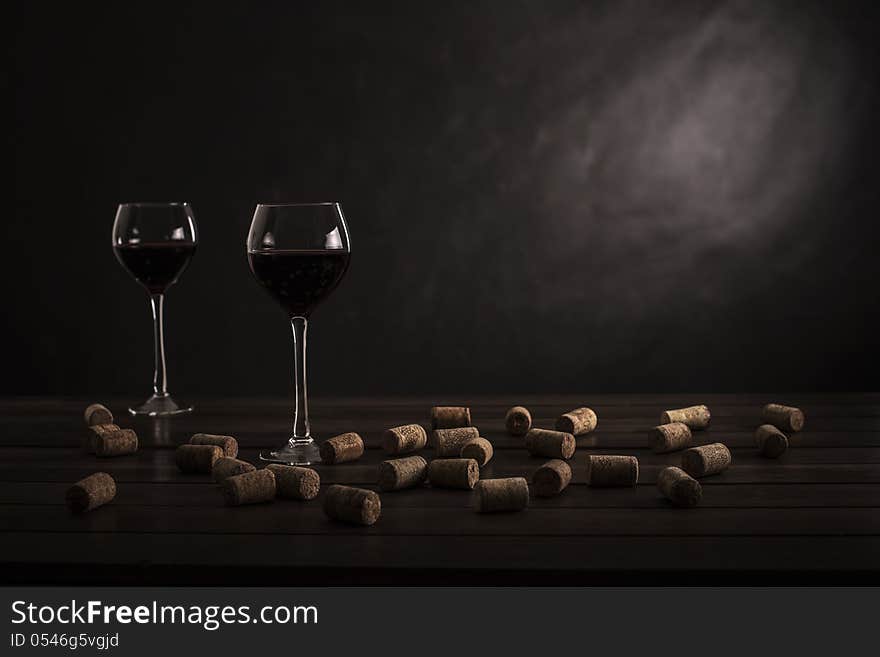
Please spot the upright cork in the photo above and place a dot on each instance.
(671, 437)
(116, 443)
(551, 478)
(228, 444)
(615, 470)
(771, 442)
(405, 439)
(342, 448)
(518, 421)
(450, 417)
(95, 432)
(226, 467)
(784, 418)
(357, 506)
(494, 495)
(679, 487)
(97, 414)
(90, 493)
(453, 473)
(295, 483)
(577, 422)
(249, 488)
(448, 442)
(197, 458)
(550, 444)
(696, 417)
(479, 449)
(706, 460)
(397, 474)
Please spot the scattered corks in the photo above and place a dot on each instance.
(705, 460)
(295, 483)
(493, 495)
(397, 474)
(405, 439)
(95, 490)
(342, 448)
(615, 470)
(197, 458)
(448, 442)
(577, 422)
(771, 442)
(226, 467)
(671, 437)
(696, 417)
(550, 444)
(249, 488)
(97, 414)
(228, 444)
(784, 418)
(357, 506)
(518, 421)
(479, 449)
(679, 487)
(551, 478)
(453, 473)
(450, 417)
(116, 443)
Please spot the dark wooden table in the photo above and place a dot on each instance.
(812, 516)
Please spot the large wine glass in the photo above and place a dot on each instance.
(155, 242)
(298, 252)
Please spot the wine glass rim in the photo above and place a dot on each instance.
(154, 204)
(296, 205)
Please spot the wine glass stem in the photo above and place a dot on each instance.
(160, 379)
(301, 411)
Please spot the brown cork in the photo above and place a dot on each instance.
(228, 444)
(97, 414)
(450, 417)
(448, 442)
(295, 483)
(453, 473)
(577, 422)
(226, 467)
(551, 478)
(397, 474)
(771, 441)
(696, 417)
(494, 495)
(90, 493)
(612, 470)
(249, 488)
(784, 418)
(197, 458)
(551, 444)
(679, 487)
(518, 421)
(96, 431)
(116, 443)
(405, 439)
(342, 448)
(671, 437)
(705, 460)
(357, 506)
(479, 449)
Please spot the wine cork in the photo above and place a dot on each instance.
(679, 487)
(705, 460)
(612, 470)
(397, 474)
(405, 439)
(450, 417)
(357, 506)
(116, 443)
(551, 444)
(518, 421)
(479, 449)
(228, 444)
(96, 431)
(696, 417)
(494, 495)
(197, 458)
(453, 473)
(97, 414)
(672, 437)
(577, 422)
(95, 490)
(448, 442)
(249, 488)
(551, 478)
(784, 418)
(295, 483)
(771, 441)
(226, 467)
(342, 448)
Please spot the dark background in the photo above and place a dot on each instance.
(542, 196)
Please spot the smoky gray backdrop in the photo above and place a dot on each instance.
(542, 196)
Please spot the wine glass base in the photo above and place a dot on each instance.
(160, 407)
(304, 453)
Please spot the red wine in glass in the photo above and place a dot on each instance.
(156, 265)
(297, 279)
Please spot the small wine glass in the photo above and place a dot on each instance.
(155, 242)
(299, 254)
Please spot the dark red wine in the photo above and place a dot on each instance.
(155, 265)
(299, 280)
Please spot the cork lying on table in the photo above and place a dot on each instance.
(404, 439)
(450, 417)
(518, 421)
(550, 444)
(671, 437)
(453, 473)
(479, 449)
(705, 460)
(342, 448)
(603, 471)
(397, 474)
(679, 487)
(784, 418)
(94, 432)
(228, 444)
(551, 478)
(293, 482)
(495, 495)
(577, 422)
(771, 442)
(356, 506)
(696, 417)
(226, 467)
(249, 488)
(116, 443)
(448, 442)
(95, 490)
(97, 414)
(192, 459)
